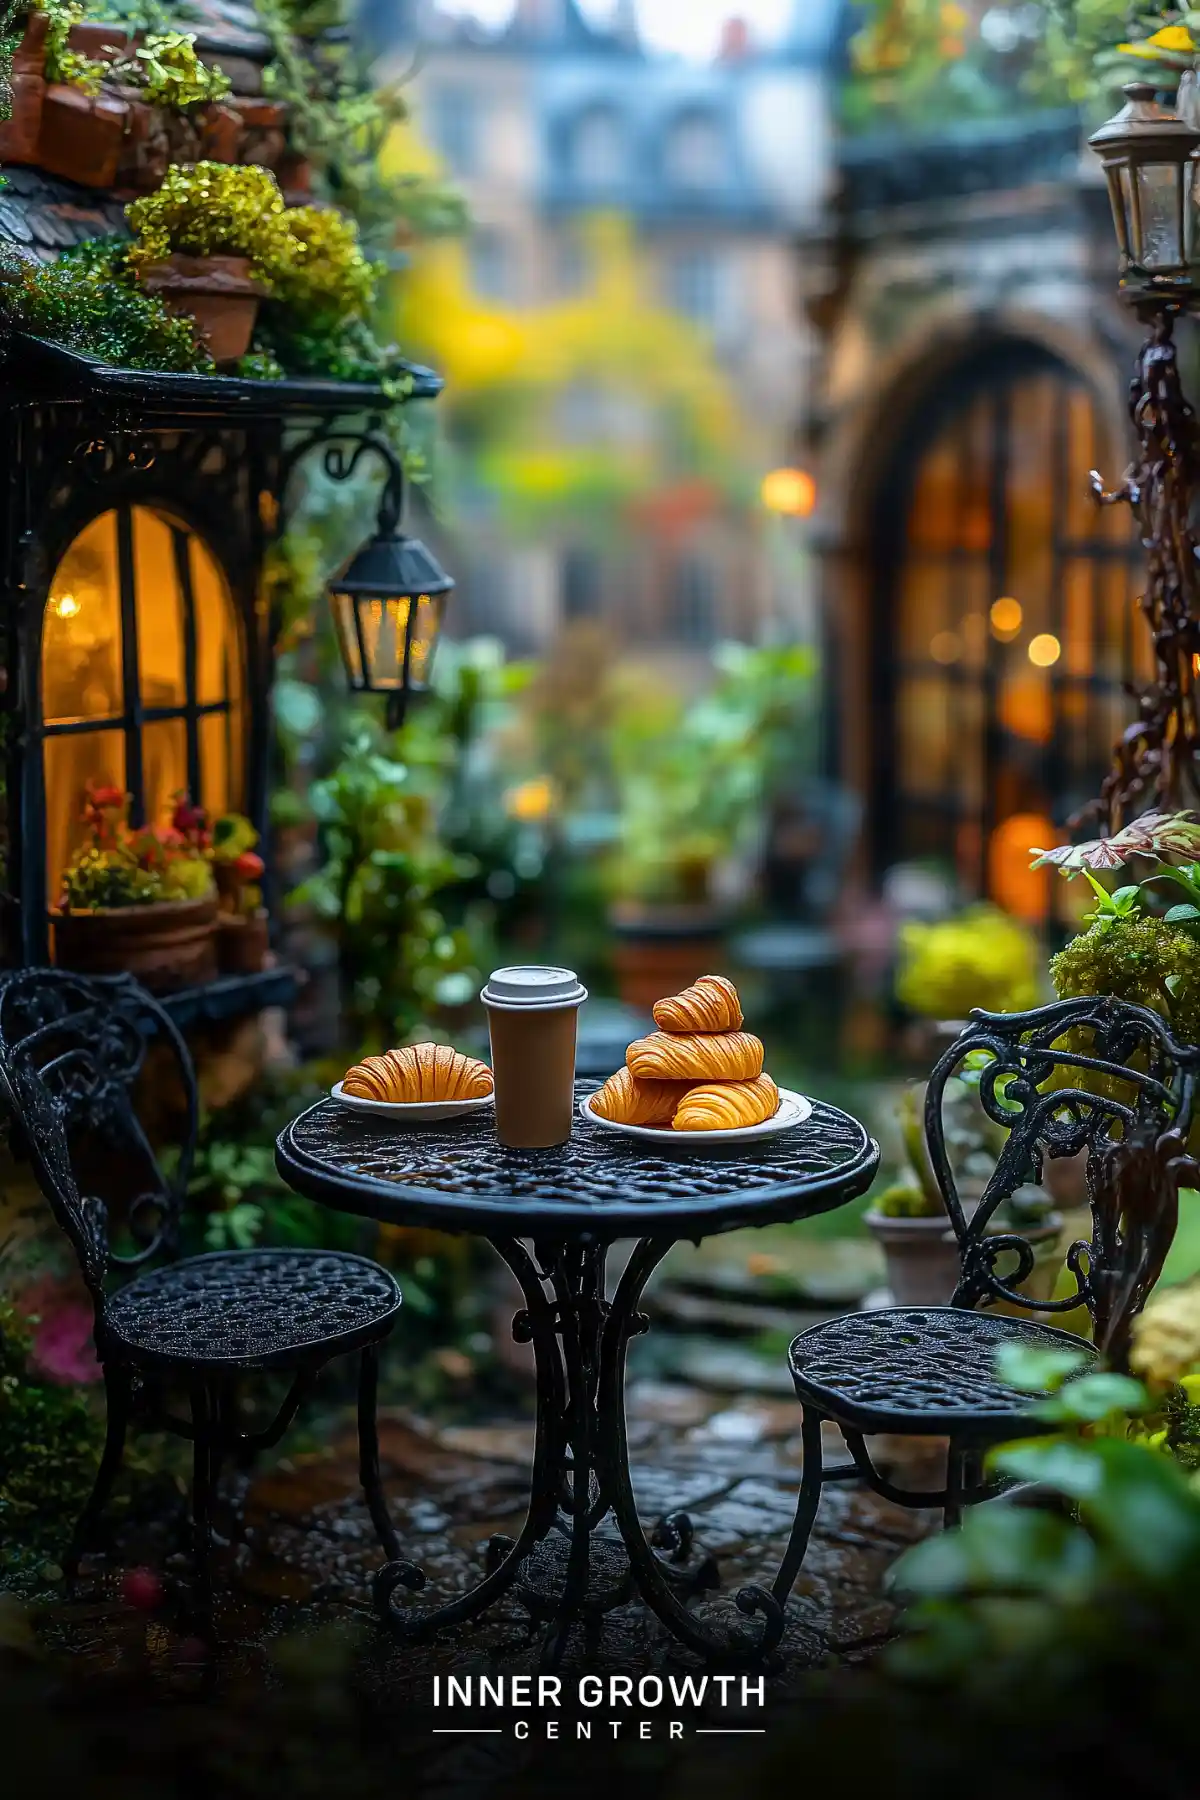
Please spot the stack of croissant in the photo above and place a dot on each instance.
(698, 1072)
(422, 1072)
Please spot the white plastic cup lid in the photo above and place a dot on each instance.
(532, 985)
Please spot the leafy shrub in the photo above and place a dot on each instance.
(981, 958)
(211, 209)
(49, 1445)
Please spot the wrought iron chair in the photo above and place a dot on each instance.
(1094, 1075)
(71, 1050)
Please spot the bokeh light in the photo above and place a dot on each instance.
(1044, 650)
(790, 492)
(1006, 616)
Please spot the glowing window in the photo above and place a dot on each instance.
(141, 672)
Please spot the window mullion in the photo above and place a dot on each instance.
(129, 666)
(183, 576)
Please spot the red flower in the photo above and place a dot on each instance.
(63, 1350)
(249, 865)
(191, 821)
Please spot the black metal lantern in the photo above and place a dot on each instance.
(388, 603)
(1148, 153)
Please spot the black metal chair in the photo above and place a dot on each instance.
(71, 1050)
(1094, 1075)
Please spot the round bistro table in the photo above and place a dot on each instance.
(553, 1215)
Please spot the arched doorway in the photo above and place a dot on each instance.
(1004, 625)
(142, 676)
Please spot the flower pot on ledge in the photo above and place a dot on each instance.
(168, 945)
(660, 949)
(80, 135)
(243, 942)
(217, 291)
(923, 1259)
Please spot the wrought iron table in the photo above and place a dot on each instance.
(553, 1215)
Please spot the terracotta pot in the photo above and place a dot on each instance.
(105, 42)
(658, 951)
(19, 133)
(218, 293)
(29, 57)
(924, 1263)
(80, 137)
(166, 946)
(922, 1258)
(294, 175)
(221, 130)
(242, 943)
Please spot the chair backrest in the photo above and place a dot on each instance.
(1100, 1076)
(71, 1050)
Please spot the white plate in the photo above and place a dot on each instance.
(409, 1112)
(792, 1110)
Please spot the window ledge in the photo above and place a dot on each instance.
(232, 996)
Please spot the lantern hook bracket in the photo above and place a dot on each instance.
(342, 453)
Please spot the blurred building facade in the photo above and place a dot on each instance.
(974, 370)
(718, 167)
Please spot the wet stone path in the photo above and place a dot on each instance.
(297, 1551)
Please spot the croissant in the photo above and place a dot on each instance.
(710, 1004)
(628, 1101)
(726, 1105)
(713, 1056)
(419, 1072)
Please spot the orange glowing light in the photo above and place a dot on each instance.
(1006, 616)
(789, 492)
(1044, 650)
(1020, 890)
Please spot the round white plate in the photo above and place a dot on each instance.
(409, 1112)
(792, 1110)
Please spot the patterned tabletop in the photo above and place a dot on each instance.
(597, 1188)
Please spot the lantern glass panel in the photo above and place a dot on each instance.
(347, 636)
(383, 624)
(426, 627)
(1160, 189)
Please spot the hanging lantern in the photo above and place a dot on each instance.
(388, 605)
(1148, 155)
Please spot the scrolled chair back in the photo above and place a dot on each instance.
(1094, 1075)
(71, 1050)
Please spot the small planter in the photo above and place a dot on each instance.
(80, 136)
(660, 950)
(218, 293)
(922, 1258)
(242, 943)
(165, 946)
(19, 133)
(924, 1263)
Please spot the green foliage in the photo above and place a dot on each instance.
(62, 64)
(904, 1200)
(691, 780)
(340, 122)
(1145, 960)
(982, 958)
(171, 74)
(384, 865)
(97, 880)
(89, 301)
(49, 1446)
(212, 209)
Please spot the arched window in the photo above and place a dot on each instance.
(141, 676)
(695, 155)
(596, 155)
(1005, 624)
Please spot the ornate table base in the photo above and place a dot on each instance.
(562, 1567)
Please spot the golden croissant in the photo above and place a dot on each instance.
(628, 1101)
(419, 1072)
(726, 1105)
(713, 1056)
(710, 1004)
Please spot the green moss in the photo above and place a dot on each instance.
(50, 1441)
(90, 302)
(1142, 960)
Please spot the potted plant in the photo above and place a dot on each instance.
(242, 941)
(80, 127)
(691, 782)
(205, 242)
(909, 1221)
(139, 901)
(980, 957)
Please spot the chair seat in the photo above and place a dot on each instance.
(252, 1308)
(928, 1369)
